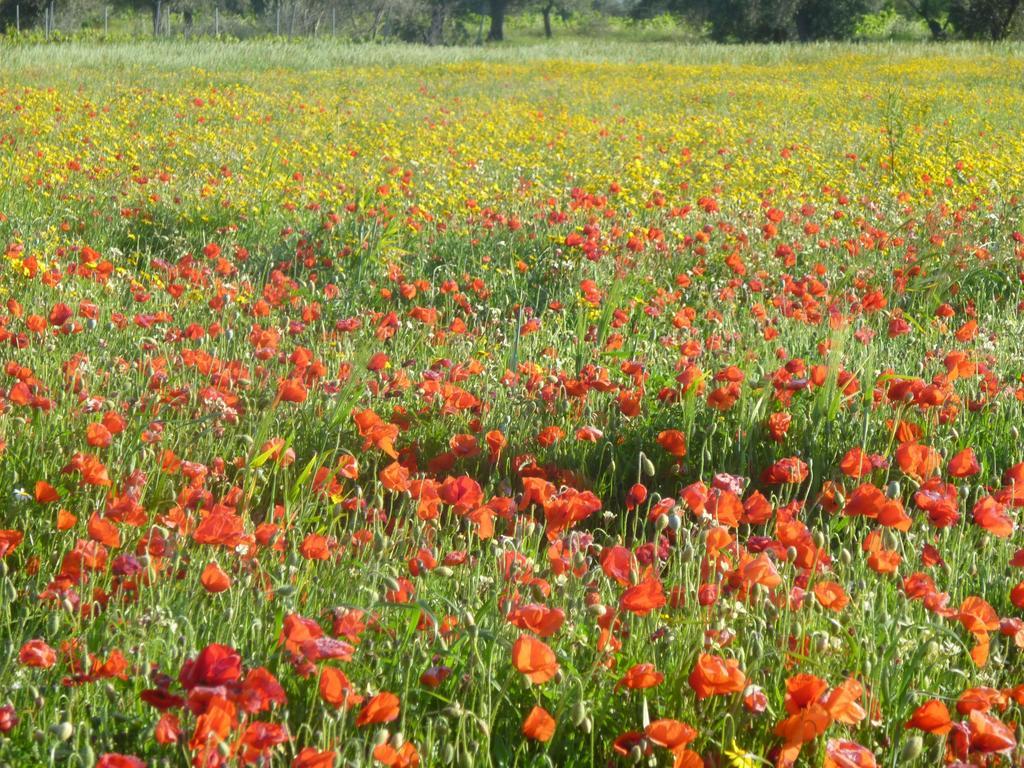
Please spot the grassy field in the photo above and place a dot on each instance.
(554, 405)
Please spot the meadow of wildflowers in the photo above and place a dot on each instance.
(513, 412)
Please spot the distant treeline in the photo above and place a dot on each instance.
(440, 22)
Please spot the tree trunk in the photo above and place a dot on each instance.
(547, 20)
(377, 19)
(436, 34)
(1003, 28)
(497, 30)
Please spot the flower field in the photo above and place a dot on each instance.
(513, 412)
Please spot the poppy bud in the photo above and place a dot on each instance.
(686, 553)
(447, 753)
(597, 609)
(53, 623)
(845, 557)
(912, 749)
(661, 523)
(10, 591)
(820, 642)
(444, 570)
(86, 754)
(1015, 433)
(646, 465)
(636, 754)
(791, 553)
(819, 539)
(579, 560)
(38, 735)
(579, 713)
(63, 730)
(932, 649)
(381, 737)
(588, 725)
(893, 490)
(889, 539)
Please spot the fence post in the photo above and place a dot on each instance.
(278, 18)
(334, 22)
(156, 20)
(17, 18)
(216, 21)
(106, 13)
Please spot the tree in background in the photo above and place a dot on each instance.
(31, 12)
(934, 13)
(830, 19)
(981, 19)
(766, 21)
(564, 9)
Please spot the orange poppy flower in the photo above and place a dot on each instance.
(534, 659)
(46, 493)
(644, 597)
(931, 717)
(843, 703)
(670, 734)
(989, 734)
(405, 757)
(36, 653)
(309, 757)
(673, 441)
(831, 595)
(336, 690)
(641, 676)
(964, 464)
(214, 579)
(841, 753)
(536, 618)
(761, 570)
(991, 515)
(714, 676)
(539, 725)
(382, 708)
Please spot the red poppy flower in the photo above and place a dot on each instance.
(382, 708)
(716, 676)
(534, 659)
(539, 725)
